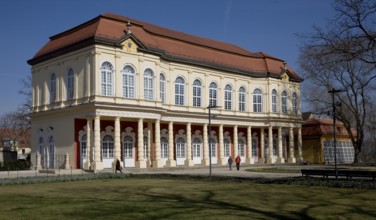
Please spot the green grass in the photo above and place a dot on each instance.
(173, 197)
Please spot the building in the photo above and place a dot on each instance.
(318, 141)
(115, 87)
(14, 144)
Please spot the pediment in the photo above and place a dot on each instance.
(129, 46)
(285, 77)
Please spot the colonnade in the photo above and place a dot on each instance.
(93, 160)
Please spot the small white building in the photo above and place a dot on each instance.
(118, 88)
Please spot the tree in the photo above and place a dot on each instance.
(343, 57)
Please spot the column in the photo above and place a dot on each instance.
(262, 146)
(171, 162)
(222, 160)
(236, 152)
(67, 161)
(117, 141)
(291, 147)
(205, 157)
(249, 159)
(157, 163)
(270, 145)
(38, 161)
(300, 153)
(188, 161)
(88, 145)
(140, 163)
(280, 158)
(98, 165)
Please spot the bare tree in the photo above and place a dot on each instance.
(343, 57)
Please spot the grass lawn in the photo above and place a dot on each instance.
(148, 197)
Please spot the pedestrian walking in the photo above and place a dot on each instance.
(118, 166)
(237, 161)
(229, 161)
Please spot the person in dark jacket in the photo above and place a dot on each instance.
(229, 161)
(118, 166)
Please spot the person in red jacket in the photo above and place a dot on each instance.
(237, 161)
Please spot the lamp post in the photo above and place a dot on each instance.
(333, 91)
(210, 152)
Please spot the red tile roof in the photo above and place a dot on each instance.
(170, 44)
(323, 126)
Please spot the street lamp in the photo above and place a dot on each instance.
(333, 91)
(210, 117)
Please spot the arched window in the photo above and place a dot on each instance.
(41, 151)
(274, 101)
(149, 84)
(284, 102)
(128, 82)
(162, 88)
(227, 145)
(51, 153)
(197, 88)
(294, 100)
(213, 94)
(228, 97)
(242, 99)
(179, 91)
(213, 146)
(180, 148)
(70, 84)
(106, 78)
(128, 147)
(53, 88)
(257, 100)
(164, 147)
(241, 147)
(196, 148)
(107, 147)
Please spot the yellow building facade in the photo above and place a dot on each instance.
(118, 88)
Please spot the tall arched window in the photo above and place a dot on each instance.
(294, 100)
(128, 82)
(149, 84)
(162, 88)
(242, 99)
(284, 102)
(107, 147)
(274, 101)
(179, 91)
(180, 148)
(53, 88)
(228, 97)
(164, 147)
(257, 100)
(241, 147)
(106, 78)
(70, 84)
(213, 146)
(41, 151)
(213, 94)
(128, 147)
(196, 148)
(227, 145)
(197, 88)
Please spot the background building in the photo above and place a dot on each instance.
(115, 87)
(318, 138)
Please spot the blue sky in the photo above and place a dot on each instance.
(257, 25)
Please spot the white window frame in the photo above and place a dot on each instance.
(162, 88)
(53, 88)
(70, 84)
(149, 84)
(197, 93)
(257, 100)
(294, 99)
(284, 102)
(274, 101)
(129, 82)
(242, 92)
(213, 94)
(179, 90)
(228, 97)
(106, 78)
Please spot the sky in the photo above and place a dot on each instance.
(269, 26)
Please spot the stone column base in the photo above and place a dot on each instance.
(270, 160)
(205, 162)
(222, 161)
(171, 163)
(97, 165)
(157, 164)
(87, 165)
(300, 160)
(261, 160)
(280, 160)
(141, 164)
(189, 163)
(250, 161)
(291, 160)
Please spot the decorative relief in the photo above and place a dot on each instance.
(129, 46)
(285, 77)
